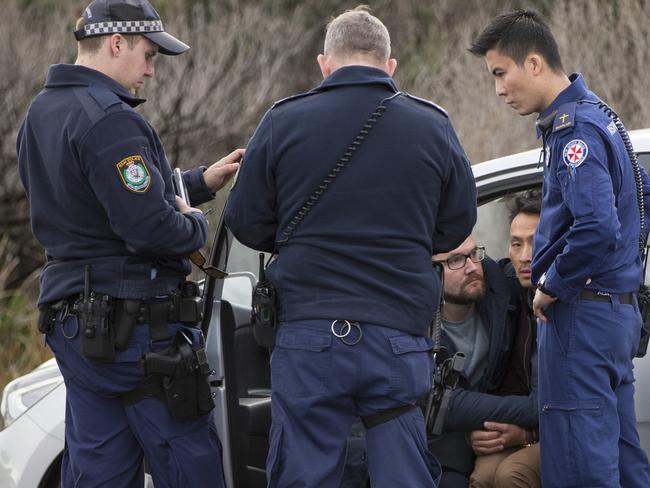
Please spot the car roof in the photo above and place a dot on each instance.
(495, 176)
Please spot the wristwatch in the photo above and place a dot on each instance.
(540, 286)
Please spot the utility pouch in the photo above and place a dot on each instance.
(97, 334)
(125, 314)
(189, 304)
(264, 316)
(643, 297)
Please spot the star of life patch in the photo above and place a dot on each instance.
(575, 153)
(134, 173)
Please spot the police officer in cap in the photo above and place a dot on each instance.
(586, 261)
(116, 240)
(389, 184)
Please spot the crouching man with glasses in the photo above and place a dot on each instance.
(478, 318)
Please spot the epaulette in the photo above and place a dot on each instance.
(104, 97)
(565, 117)
(293, 97)
(428, 103)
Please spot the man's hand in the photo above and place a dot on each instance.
(496, 437)
(220, 172)
(183, 207)
(540, 302)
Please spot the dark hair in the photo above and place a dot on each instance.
(527, 202)
(516, 34)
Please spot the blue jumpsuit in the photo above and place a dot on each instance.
(589, 230)
(363, 254)
(100, 193)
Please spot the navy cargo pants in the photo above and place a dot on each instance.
(588, 430)
(322, 383)
(106, 440)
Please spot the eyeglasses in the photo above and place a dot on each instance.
(458, 261)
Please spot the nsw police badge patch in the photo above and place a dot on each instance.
(134, 173)
(574, 153)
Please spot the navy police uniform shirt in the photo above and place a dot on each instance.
(364, 252)
(589, 226)
(100, 191)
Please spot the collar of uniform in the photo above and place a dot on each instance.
(357, 75)
(76, 75)
(575, 91)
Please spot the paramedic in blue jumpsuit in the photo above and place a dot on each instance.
(586, 263)
(362, 255)
(100, 194)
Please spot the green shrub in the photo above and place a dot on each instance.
(20, 342)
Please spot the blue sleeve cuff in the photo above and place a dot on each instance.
(559, 287)
(197, 190)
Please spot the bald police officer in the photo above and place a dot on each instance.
(356, 288)
(103, 207)
(586, 262)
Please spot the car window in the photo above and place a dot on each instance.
(242, 258)
(492, 227)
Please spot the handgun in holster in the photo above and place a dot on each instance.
(184, 373)
(445, 379)
(264, 313)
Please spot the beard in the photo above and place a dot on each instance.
(467, 296)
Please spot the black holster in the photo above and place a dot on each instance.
(125, 315)
(177, 376)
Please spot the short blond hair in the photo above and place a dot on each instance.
(357, 32)
(91, 45)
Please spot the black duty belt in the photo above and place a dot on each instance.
(599, 296)
(156, 312)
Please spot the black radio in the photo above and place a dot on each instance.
(264, 313)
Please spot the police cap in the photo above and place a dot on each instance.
(104, 17)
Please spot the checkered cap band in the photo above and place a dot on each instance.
(123, 27)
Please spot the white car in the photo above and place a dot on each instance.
(31, 442)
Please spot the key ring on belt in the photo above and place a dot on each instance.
(341, 328)
(62, 317)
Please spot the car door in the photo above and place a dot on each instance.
(241, 383)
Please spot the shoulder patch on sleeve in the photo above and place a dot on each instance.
(427, 102)
(565, 118)
(293, 97)
(574, 153)
(134, 173)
